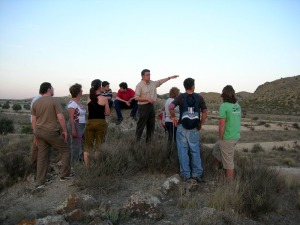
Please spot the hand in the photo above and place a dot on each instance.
(127, 103)
(174, 76)
(65, 134)
(175, 120)
(74, 133)
(150, 100)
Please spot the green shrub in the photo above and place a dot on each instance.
(257, 148)
(16, 107)
(255, 190)
(296, 125)
(26, 106)
(6, 126)
(26, 129)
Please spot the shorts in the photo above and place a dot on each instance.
(223, 151)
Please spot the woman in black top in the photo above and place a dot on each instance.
(96, 125)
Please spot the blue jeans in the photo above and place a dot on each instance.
(76, 143)
(122, 105)
(188, 147)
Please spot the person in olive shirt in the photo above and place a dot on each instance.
(229, 131)
(46, 111)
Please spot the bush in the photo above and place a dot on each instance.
(296, 125)
(16, 107)
(6, 126)
(26, 129)
(6, 105)
(257, 148)
(255, 190)
(26, 106)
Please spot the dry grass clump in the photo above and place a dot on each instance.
(257, 148)
(121, 155)
(254, 191)
(14, 158)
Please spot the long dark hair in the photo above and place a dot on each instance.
(228, 94)
(94, 87)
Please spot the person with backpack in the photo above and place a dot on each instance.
(169, 125)
(229, 132)
(192, 107)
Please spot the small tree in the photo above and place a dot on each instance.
(16, 107)
(5, 105)
(26, 106)
(6, 126)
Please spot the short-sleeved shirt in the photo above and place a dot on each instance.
(167, 112)
(232, 114)
(80, 112)
(179, 101)
(148, 90)
(126, 95)
(46, 109)
(33, 101)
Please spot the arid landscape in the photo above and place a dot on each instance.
(135, 183)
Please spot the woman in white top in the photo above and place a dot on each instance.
(76, 123)
(169, 126)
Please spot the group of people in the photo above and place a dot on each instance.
(79, 138)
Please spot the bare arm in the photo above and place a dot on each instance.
(71, 116)
(168, 78)
(62, 122)
(33, 124)
(221, 127)
(203, 118)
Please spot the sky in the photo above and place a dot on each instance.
(242, 43)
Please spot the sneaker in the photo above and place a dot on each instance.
(71, 175)
(40, 186)
(119, 121)
(134, 118)
(198, 179)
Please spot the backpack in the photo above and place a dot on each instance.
(190, 114)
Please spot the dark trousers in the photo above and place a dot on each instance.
(122, 105)
(146, 118)
(171, 129)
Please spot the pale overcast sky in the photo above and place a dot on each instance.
(242, 43)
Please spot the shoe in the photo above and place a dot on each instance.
(71, 175)
(191, 181)
(40, 186)
(198, 179)
(119, 121)
(134, 118)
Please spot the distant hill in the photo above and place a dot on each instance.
(281, 96)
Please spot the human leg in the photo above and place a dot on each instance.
(143, 117)
(134, 106)
(58, 142)
(217, 156)
(194, 149)
(118, 105)
(43, 157)
(76, 143)
(182, 149)
(89, 137)
(150, 123)
(100, 132)
(227, 153)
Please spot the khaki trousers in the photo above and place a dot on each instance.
(46, 139)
